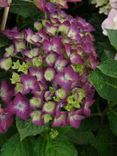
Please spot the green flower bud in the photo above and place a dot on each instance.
(36, 102)
(19, 87)
(24, 68)
(20, 46)
(37, 62)
(53, 133)
(15, 78)
(6, 63)
(47, 118)
(16, 65)
(61, 93)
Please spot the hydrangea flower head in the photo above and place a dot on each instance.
(49, 82)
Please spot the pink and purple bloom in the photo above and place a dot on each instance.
(53, 45)
(51, 66)
(21, 107)
(6, 120)
(75, 118)
(6, 91)
(29, 84)
(66, 78)
(60, 119)
(60, 64)
(38, 73)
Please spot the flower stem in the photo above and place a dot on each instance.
(5, 16)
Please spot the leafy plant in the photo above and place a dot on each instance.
(97, 134)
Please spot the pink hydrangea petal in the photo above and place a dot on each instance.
(21, 107)
(6, 91)
(6, 120)
(74, 118)
(60, 119)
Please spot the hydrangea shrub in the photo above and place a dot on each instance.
(49, 71)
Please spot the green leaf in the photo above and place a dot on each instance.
(103, 142)
(26, 128)
(87, 151)
(25, 9)
(84, 134)
(90, 124)
(106, 86)
(13, 147)
(109, 67)
(54, 147)
(60, 146)
(5, 136)
(81, 137)
(3, 41)
(112, 34)
(40, 145)
(112, 116)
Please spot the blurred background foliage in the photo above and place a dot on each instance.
(97, 135)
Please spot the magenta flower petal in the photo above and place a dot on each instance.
(66, 78)
(76, 59)
(6, 120)
(48, 95)
(6, 91)
(38, 73)
(60, 64)
(31, 53)
(14, 34)
(60, 79)
(68, 49)
(30, 84)
(42, 36)
(74, 118)
(28, 35)
(71, 74)
(53, 45)
(93, 61)
(21, 107)
(73, 33)
(32, 38)
(87, 105)
(60, 119)
(51, 8)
